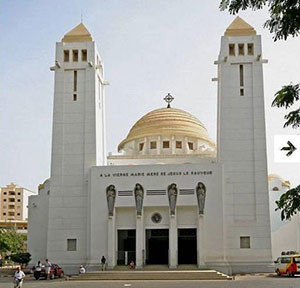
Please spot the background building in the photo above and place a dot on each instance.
(14, 206)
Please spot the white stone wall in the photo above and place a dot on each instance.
(38, 227)
(242, 149)
(287, 237)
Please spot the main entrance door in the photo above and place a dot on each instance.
(157, 246)
(126, 246)
(187, 246)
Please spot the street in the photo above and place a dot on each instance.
(246, 281)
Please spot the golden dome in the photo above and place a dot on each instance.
(167, 121)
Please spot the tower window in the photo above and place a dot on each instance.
(250, 49)
(19, 193)
(18, 214)
(75, 55)
(231, 50)
(178, 145)
(71, 244)
(74, 97)
(153, 145)
(191, 145)
(4, 213)
(141, 146)
(241, 75)
(166, 144)
(241, 49)
(242, 92)
(12, 193)
(245, 242)
(83, 55)
(66, 55)
(75, 81)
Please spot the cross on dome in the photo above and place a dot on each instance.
(169, 98)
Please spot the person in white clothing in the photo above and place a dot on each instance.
(47, 268)
(81, 269)
(19, 276)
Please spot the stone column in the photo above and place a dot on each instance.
(111, 238)
(139, 240)
(200, 243)
(173, 247)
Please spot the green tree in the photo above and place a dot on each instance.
(284, 22)
(21, 258)
(10, 241)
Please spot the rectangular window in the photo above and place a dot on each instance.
(191, 145)
(11, 213)
(241, 75)
(75, 55)
(245, 242)
(71, 244)
(250, 49)
(241, 49)
(231, 50)
(141, 146)
(11, 207)
(242, 92)
(11, 200)
(166, 144)
(75, 81)
(178, 145)
(66, 55)
(153, 145)
(83, 55)
(12, 193)
(74, 97)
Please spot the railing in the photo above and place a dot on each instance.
(125, 257)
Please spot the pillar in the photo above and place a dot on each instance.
(111, 238)
(139, 241)
(200, 241)
(173, 247)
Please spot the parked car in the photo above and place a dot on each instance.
(55, 272)
(287, 265)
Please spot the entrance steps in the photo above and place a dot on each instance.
(151, 275)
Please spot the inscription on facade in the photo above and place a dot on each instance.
(155, 174)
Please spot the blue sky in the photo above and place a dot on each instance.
(149, 48)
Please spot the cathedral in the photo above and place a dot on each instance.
(171, 196)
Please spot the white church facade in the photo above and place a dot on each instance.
(171, 196)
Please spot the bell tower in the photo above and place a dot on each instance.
(241, 143)
(78, 142)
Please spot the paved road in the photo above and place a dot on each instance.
(240, 282)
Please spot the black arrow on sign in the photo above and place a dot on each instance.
(291, 148)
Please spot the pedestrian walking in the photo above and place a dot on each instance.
(103, 263)
(18, 279)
